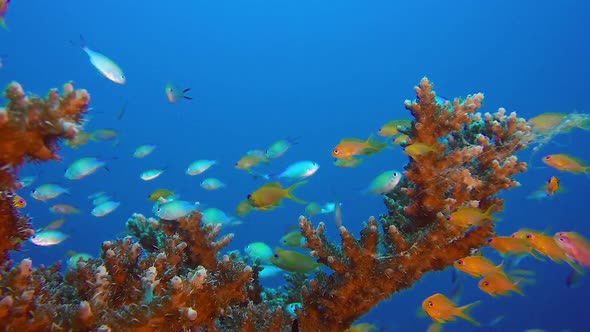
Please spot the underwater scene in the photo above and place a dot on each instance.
(294, 166)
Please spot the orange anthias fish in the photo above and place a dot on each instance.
(442, 310)
(350, 147)
(271, 194)
(552, 185)
(18, 202)
(507, 245)
(499, 284)
(547, 246)
(477, 266)
(575, 246)
(3, 10)
(470, 216)
(566, 163)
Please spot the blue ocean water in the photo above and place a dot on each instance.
(260, 71)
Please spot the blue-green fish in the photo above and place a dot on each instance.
(215, 216)
(279, 148)
(48, 238)
(260, 251)
(107, 67)
(48, 191)
(83, 167)
(299, 170)
(75, 258)
(175, 94)
(212, 184)
(175, 209)
(199, 166)
(105, 208)
(151, 174)
(143, 151)
(384, 183)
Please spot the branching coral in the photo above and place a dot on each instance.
(30, 128)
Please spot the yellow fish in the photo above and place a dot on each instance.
(498, 284)
(350, 147)
(390, 128)
(293, 261)
(243, 208)
(477, 266)
(293, 239)
(18, 202)
(470, 216)
(546, 121)
(417, 150)
(270, 195)
(442, 310)
(401, 139)
(564, 162)
(252, 159)
(164, 193)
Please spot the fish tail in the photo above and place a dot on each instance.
(185, 96)
(3, 23)
(489, 212)
(462, 312)
(291, 188)
(373, 146)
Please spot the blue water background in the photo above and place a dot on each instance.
(322, 71)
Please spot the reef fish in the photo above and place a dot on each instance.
(143, 151)
(279, 148)
(350, 147)
(575, 246)
(164, 193)
(212, 184)
(477, 266)
(107, 67)
(151, 174)
(63, 209)
(390, 128)
(199, 166)
(298, 171)
(293, 261)
(48, 238)
(83, 167)
(174, 94)
(567, 163)
(18, 202)
(175, 209)
(105, 208)
(470, 216)
(48, 191)
(498, 284)
(384, 183)
(441, 309)
(271, 194)
(259, 251)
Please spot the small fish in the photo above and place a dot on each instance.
(384, 183)
(546, 246)
(48, 238)
(575, 246)
(243, 208)
(259, 251)
(81, 138)
(107, 67)
(298, 171)
(199, 166)
(312, 209)
(101, 199)
(498, 284)
(329, 207)
(83, 167)
(63, 209)
(252, 159)
(350, 147)
(175, 94)
(348, 163)
(477, 266)
(27, 181)
(151, 174)
(470, 216)
(362, 327)
(552, 185)
(271, 194)
(56, 224)
(48, 191)
(212, 184)
(96, 194)
(279, 148)
(76, 258)
(507, 245)
(105, 134)
(164, 193)
(390, 128)
(418, 150)
(293, 239)
(3, 10)
(175, 209)
(212, 216)
(105, 208)
(143, 151)
(402, 139)
(442, 310)
(293, 261)
(545, 122)
(18, 202)
(269, 271)
(2, 58)
(566, 163)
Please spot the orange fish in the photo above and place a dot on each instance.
(575, 246)
(498, 284)
(18, 202)
(270, 195)
(546, 121)
(552, 185)
(566, 163)
(470, 216)
(350, 147)
(477, 266)
(442, 310)
(547, 246)
(506, 245)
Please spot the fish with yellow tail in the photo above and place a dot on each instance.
(270, 195)
(107, 67)
(566, 163)
(470, 216)
(350, 147)
(441, 309)
(293, 261)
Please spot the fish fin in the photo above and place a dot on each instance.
(187, 97)
(291, 188)
(3, 24)
(186, 90)
(373, 146)
(462, 312)
(489, 213)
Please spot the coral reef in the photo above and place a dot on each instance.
(173, 277)
(30, 128)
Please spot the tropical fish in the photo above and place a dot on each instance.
(293, 261)
(83, 167)
(18, 202)
(105, 134)
(101, 199)
(75, 259)
(270, 195)
(293, 307)
(164, 193)
(269, 271)
(417, 150)
(151, 174)
(81, 138)
(329, 207)
(390, 128)
(143, 151)
(546, 246)
(63, 209)
(441, 309)
(350, 147)
(56, 224)
(251, 159)
(48, 191)
(293, 239)
(567, 163)
(278, 148)
(244, 207)
(48, 238)
(212, 216)
(552, 185)
(384, 183)
(506, 245)
(347, 163)
(312, 209)
(499, 284)
(3, 10)
(477, 266)
(470, 216)
(175, 94)
(175, 209)
(298, 171)
(259, 251)
(26, 181)
(104, 208)
(199, 166)
(107, 67)
(546, 121)
(575, 246)
(212, 184)
(401, 139)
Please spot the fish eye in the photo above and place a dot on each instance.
(336, 151)
(430, 304)
(249, 197)
(486, 283)
(276, 255)
(490, 240)
(448, 217)
(547, 157)
(460, 262)
(529, 236)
